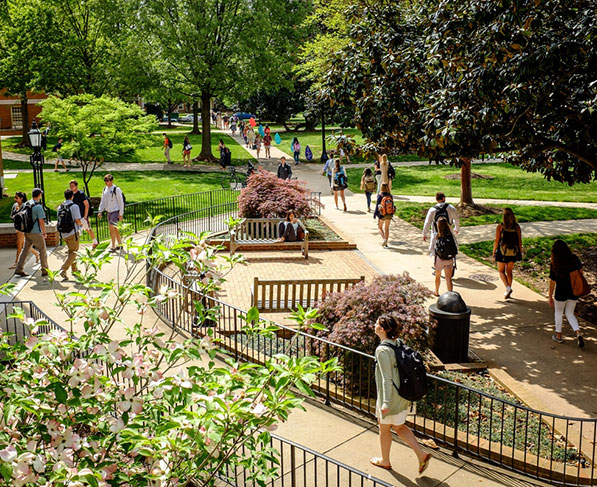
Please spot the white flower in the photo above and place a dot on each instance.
(8, 454)
(117, 426)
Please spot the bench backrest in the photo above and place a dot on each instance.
(281, 295)
(258, 228)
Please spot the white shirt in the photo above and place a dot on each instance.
(112, 200)
(453, 221)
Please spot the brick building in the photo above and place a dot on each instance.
(11, 116)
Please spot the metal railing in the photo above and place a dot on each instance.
(541, 445)
(302, 467)
(19, 330)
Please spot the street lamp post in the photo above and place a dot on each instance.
(324, 154)
(37, 163)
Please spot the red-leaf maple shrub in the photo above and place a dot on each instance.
(350, 317)
(266, 196)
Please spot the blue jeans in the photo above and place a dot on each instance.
(368, 195)
(296, 156)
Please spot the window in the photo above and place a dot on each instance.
(17, 117)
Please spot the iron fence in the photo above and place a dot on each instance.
(302, 467)
(16, 327)
(541, 445)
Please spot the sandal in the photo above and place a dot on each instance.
(425, 463)
(376, 461)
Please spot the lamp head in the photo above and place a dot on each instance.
(35, 138)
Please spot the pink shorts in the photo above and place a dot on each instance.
(441, 264)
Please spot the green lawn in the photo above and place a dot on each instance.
(313, 140)
(414, 213)
(509, 182)
(136, 185)
(155, 153)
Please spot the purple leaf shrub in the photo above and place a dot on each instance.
(350, 317)
(266, 196)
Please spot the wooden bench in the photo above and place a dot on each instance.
(282, 295)
(263, 232)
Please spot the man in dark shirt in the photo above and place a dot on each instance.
(284, 170)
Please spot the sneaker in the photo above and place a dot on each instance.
(508, 292)
(555, 338)
(581, 341)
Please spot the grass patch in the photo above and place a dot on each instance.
(509, 182)
(155, 153)
(414, 213)
(137, 185)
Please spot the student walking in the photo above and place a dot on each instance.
(258, 144)
(82, 201)
(113, 203)
(384, 211)
(167, 147)
(339, 182)
(296, 149)
(267, 142)
(328, 168)
(561, 297)
(284, 170)
(377, 168)
(384, 166)
(507, 248)
(445, 253)
(225, 157)
(59, 158)
(391, 409)
(369, 185)
(20, 200)
(69, 225)
(35, 236)
(441, 209)
(186, 152)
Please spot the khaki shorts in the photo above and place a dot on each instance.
(441, 264)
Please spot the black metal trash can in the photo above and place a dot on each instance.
(453, 318)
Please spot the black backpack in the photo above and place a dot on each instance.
(411, 368)
(391, 172)
(123, 196)
(169, 143)
(441, 211)
(445, 247)
(23, 219)
(66, 222)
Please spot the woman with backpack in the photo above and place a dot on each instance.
(296, 149)
(339, 182)
(186, 152)
(563, 262)
(20, 200)
(384, 210)
(445, 252)
(507, 248)
(391, 409)
(369, 185)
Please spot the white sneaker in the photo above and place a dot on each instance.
(508, 292)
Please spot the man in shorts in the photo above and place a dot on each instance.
(113, 203)
(82, 201)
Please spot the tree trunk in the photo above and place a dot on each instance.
(195, 118)
(25, 142)
(169, 113)
(466, 190)
(205, 154)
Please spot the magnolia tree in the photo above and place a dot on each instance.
(95, 129)
(83, 407)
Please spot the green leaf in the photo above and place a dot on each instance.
(6, 471)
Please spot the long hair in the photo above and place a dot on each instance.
(22, 196)
(186, 139)
(384, 158)
(389, 324)
(509, 220)
(443, 227)
(561, 258)
(385, 188)
(291, 212)
(295, 141)
(337, 165)
(367, 172)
